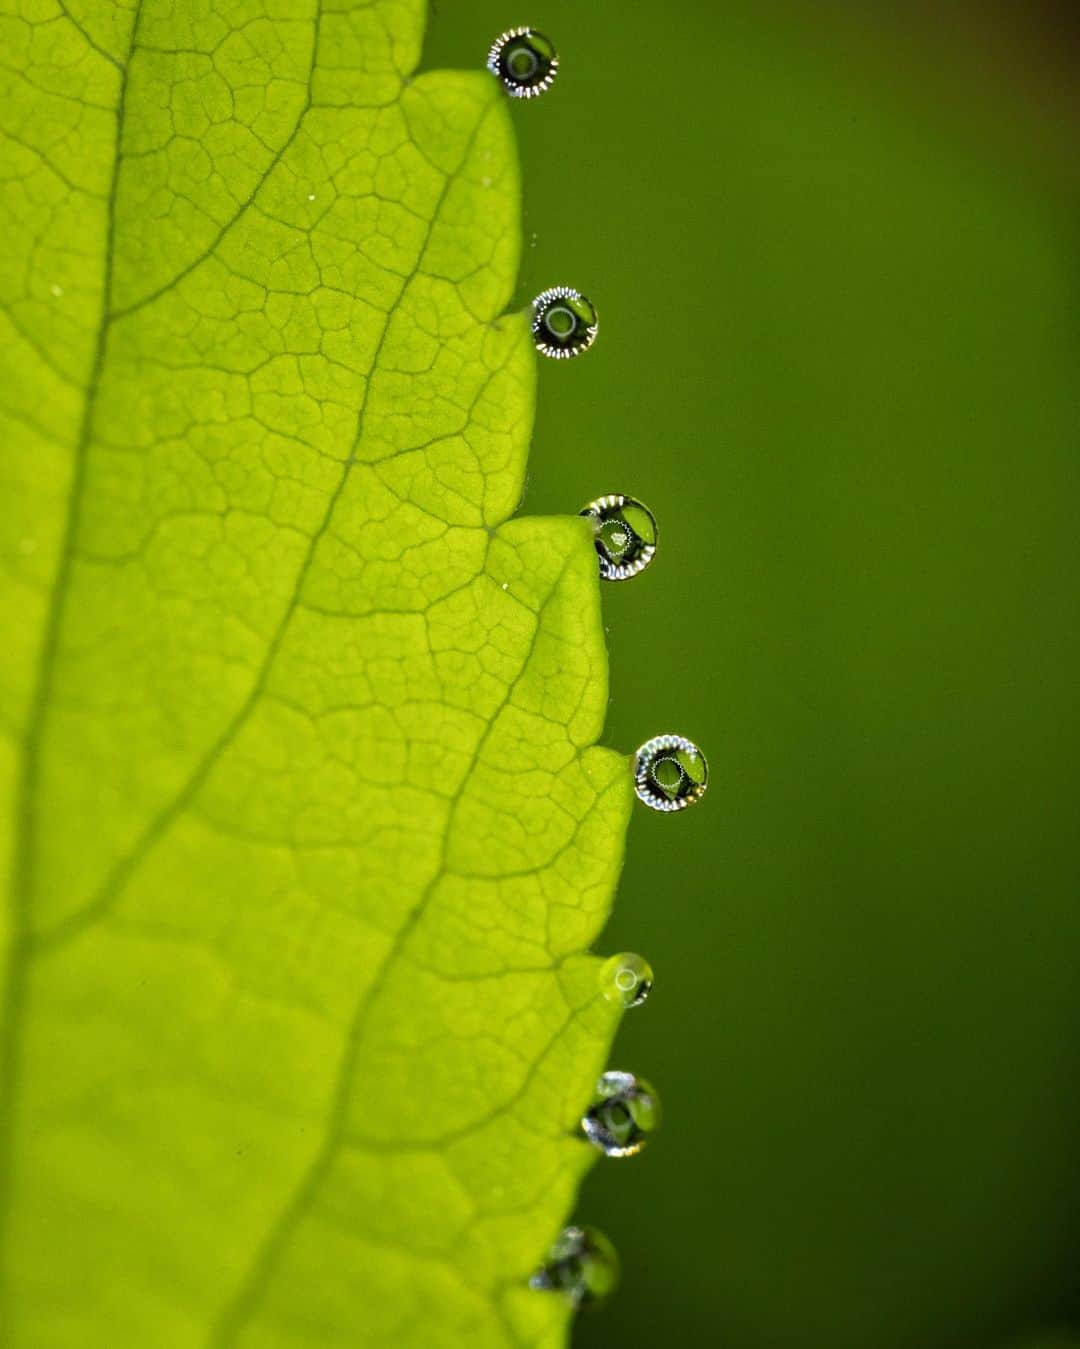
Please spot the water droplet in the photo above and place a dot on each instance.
(564, 322)
(525, 61)
(311, 196)
(56, 290)
(626, 535)
(582, 1265)
(624, 1115)
(670, 773)
(626, 979)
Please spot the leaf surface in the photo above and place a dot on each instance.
(307, 828)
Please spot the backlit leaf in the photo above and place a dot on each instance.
(307, 829)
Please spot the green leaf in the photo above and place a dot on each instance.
(307, 830)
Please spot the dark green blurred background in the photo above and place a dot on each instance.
(834, 258)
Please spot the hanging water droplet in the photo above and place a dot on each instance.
(564, 322)
(582, 1265)
(626, 535)
(525, 61)
(670, 773)
(624, 1115)
(626, 979)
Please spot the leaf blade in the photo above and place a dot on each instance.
(315, 729)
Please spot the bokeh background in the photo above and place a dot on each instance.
(834, 252)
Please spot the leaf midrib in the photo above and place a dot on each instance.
(24, 850)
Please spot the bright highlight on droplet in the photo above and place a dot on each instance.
(524, 61)
(670, 773)
(582, 1265)
(626, 535)
(564, 322)
(626, 979)
(624, 1115)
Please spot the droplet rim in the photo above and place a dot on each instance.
(646, 756)
(495, 66)
(583, 341)
(622, 571)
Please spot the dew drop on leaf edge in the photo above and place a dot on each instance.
(626, 535)
(670, 773)
(623, 1116)
(626, 979)
(564, 323)
(582, 1265)
(524, 62)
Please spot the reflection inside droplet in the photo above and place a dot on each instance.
(564, 322)
(626, 979)
(670, 773)
(624, 1115)
(626, 535)
(524, 61)
(582, 1265)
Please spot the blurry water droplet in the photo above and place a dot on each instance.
(582, 1265)
(525, 61)
(564, 322)
(485, 182)
(311, 196)
(626, 535)
(670, 773)
(626, 979)
(624, 1115)
(56, 290)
